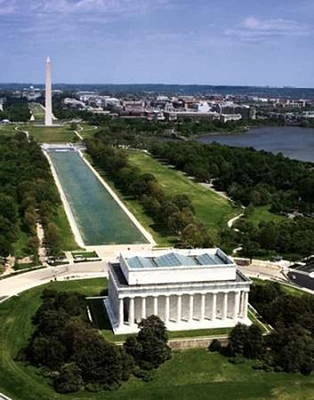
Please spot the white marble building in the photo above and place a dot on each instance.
(187, 289)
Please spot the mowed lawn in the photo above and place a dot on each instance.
(189, 375)
(210, 208)
(262, 214)
(43, 134)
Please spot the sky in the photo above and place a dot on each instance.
(226, 42)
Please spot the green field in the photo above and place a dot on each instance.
(43, 134)
(86, 130)
(210, 208)
(287, 289)
(193, 374)
(262, 214)
(68, 242)
(9, 129)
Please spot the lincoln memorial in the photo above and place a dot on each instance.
(187, 289)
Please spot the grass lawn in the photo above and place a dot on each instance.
(43, 134)
(85, 254)
(68, 242)
(262, 214)
(287, 289)
(210, 208)
(21, 249)
(9, 129)
(193, 374)
(87, 131)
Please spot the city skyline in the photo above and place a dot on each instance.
(162, 41)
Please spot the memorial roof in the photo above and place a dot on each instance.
(174, 259)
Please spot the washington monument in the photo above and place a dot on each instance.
(48, 101)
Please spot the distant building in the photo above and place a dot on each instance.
(308, 114)
(187, 289)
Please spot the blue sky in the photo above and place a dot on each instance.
(231, 42)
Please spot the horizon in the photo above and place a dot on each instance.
(158, 84)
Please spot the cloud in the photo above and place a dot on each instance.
(102, 6)
(7, 7)
(254, 29)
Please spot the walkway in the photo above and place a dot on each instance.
(16, 284)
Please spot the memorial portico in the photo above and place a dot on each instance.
(187, 289)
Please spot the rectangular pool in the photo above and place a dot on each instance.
(99, 218)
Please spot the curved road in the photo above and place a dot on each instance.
(16, 284)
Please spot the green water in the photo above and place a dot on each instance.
(99, 218)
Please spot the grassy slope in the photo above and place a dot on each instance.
(87, 131)
(210, 208)
(262, 214)
(193, 374)
(68, 242)
(293, 291)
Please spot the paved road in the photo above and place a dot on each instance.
(263, 271)
(17, 284)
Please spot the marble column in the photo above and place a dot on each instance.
(179, 308)
(155, 305)
(131, 311)
(214, 306)
(143, 307)
(121, 312)
(246, 303)
(191, 308)
(236, 305)
(167, 309)
(202, 317)
(224, 313)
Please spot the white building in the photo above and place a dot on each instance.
(187, 289)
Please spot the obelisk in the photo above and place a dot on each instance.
(48, 100)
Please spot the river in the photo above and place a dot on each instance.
(294, 142)
(99, 218)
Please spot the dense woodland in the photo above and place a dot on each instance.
(27, 195)
(254, 178)
(73, 355)
(290, 346)
(15, 110)
(171, 215)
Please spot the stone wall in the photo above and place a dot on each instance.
(195, 343)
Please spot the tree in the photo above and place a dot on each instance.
(69, 379)
(52, 239)
(255, 347)
(238, 339)
(149, 348)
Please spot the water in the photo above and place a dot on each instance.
(294, 142)
(99, 218)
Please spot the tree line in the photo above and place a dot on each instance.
(171, 215)
(254, 178)
(289, 347)
(15, 110)
(73, 355)
(27, 195)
